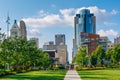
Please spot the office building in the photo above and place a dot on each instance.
(110, 45)
(62, 54)
(83, 22)
(59, 39)
(23, 29)
(103, 42)
(15, 30)
(91, 41)
(49, 46)
(117, 40)
(35, 42)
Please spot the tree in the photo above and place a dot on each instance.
(115, 56)
(93, 59)
(100, 53)
(81, 57)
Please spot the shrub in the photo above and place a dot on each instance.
(13, 73)
(35, 69)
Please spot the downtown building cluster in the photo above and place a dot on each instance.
(21, 31)
(57, 51)
(85, 33)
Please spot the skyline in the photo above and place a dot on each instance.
(42, 17)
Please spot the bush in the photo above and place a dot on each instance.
(29, 69)
(2, 74)
(90, 68)
(35, 69)
(13, 73)
(7, 72)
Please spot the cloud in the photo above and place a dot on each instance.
(34, 33)
(114, 12)
(53, 5)
(65, 17)
(108, 33)
(109, 23)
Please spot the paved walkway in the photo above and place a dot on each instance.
(72, 75)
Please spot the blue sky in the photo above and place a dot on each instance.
(45, 18)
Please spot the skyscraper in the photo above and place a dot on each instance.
(15, 30)
(23, 29)
(83, 22)
(60, 39)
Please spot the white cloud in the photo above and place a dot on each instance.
(65, 17)
(109, 23)
(33, 33)
(53, 5)
(114, 12)
(108, 33)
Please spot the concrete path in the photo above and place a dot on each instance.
(72, 75)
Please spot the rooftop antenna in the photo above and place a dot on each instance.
(7, 21)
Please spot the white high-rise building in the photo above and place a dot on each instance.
(15, 30)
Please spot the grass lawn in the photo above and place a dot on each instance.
(37, 75)
(110, 74)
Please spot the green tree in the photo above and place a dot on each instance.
(93, 59)
(115, 56)
(81, 58)
(100, 53)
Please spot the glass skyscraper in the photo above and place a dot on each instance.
(83, 22)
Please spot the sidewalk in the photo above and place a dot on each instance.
(72, 75)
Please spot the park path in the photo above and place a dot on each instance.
(72, 75)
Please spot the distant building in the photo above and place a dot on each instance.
(23, 29)
(103, 42)
(35, 41)
(91, 41)
(110, 45)
(117, 40)
(57, 51)
(49, 46)
(62, 54)
(15, 30)
(59, 39)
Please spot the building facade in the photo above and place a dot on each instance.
(117, 40)
(35, 42)
(103, 42)
(62, 54)
(83, 22)
(59, 39)
(49, 46)
(59, 49)
(110, 45)
(91, 41)
(23, 29)
(15, 30)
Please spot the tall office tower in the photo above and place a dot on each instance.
(35, 41)
(59, 39)
(83, 22)
(23, 29)
(15, 30)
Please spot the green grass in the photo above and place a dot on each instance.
(110, 74)
(37, 75)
